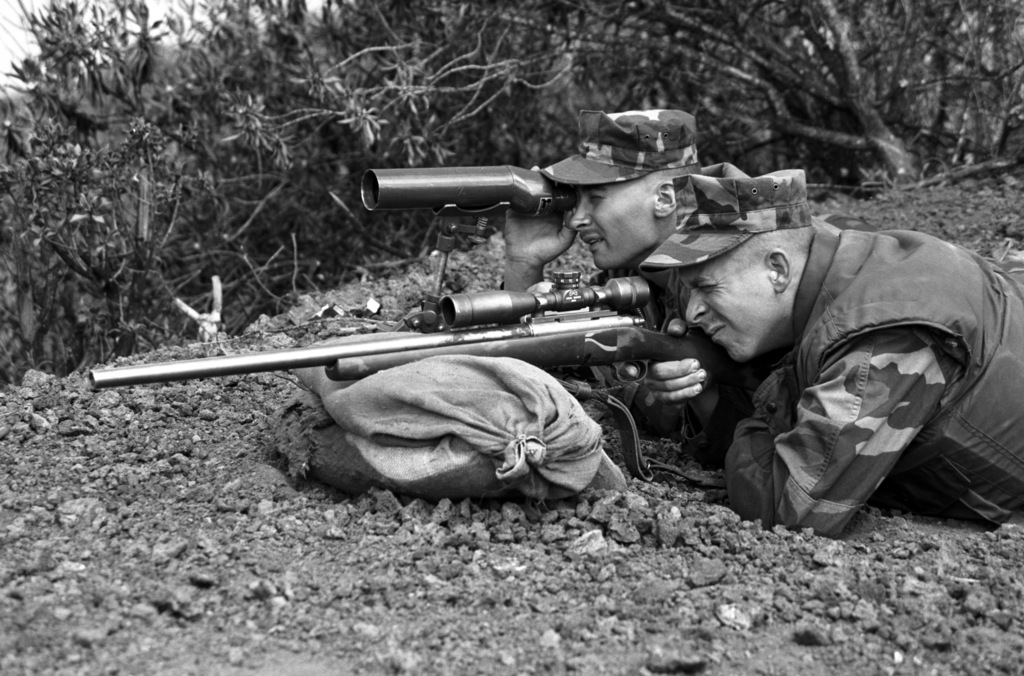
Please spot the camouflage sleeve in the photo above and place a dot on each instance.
(815, 464)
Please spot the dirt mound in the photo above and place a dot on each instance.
(151, 529)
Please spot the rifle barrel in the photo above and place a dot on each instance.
(328, 354)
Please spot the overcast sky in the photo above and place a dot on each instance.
(15, 42)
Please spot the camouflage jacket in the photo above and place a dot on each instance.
(708, 444)
(904, 390)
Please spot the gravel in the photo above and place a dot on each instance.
(154, 529)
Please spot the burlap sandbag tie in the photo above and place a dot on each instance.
(522, 452)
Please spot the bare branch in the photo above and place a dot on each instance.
(756, 49)
(968, 171)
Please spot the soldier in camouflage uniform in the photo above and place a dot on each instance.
(626, 176)
(900, 369)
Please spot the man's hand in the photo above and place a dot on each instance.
(682, 382)
(530, 244)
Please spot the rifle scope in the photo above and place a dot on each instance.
(506, 307)
(468, 189)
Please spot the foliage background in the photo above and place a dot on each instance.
(141, 157)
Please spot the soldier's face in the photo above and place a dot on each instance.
(617, 223)
(738, 303)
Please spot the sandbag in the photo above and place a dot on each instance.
(449, 427)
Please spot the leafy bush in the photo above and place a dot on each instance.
(85, 231)
(229, 140)
(230, 144)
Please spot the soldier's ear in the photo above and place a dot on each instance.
(780, 269)
(665, 200)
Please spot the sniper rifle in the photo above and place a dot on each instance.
(571, 325)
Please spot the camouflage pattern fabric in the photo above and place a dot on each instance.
(866, 406)
(717, 214)
(720, 170)
(616, 147)
(861, 413)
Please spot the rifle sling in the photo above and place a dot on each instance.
(629, 436)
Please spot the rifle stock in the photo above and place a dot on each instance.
(581, 345)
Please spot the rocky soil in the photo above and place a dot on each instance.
(153, 530)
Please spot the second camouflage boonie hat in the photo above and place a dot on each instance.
(622, 146)
(718, 214)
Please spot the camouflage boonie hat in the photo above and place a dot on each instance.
(622, 146)
(718, 214)
(720, 170)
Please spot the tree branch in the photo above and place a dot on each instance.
(788, 75)
(787, 125)
(967, 171)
